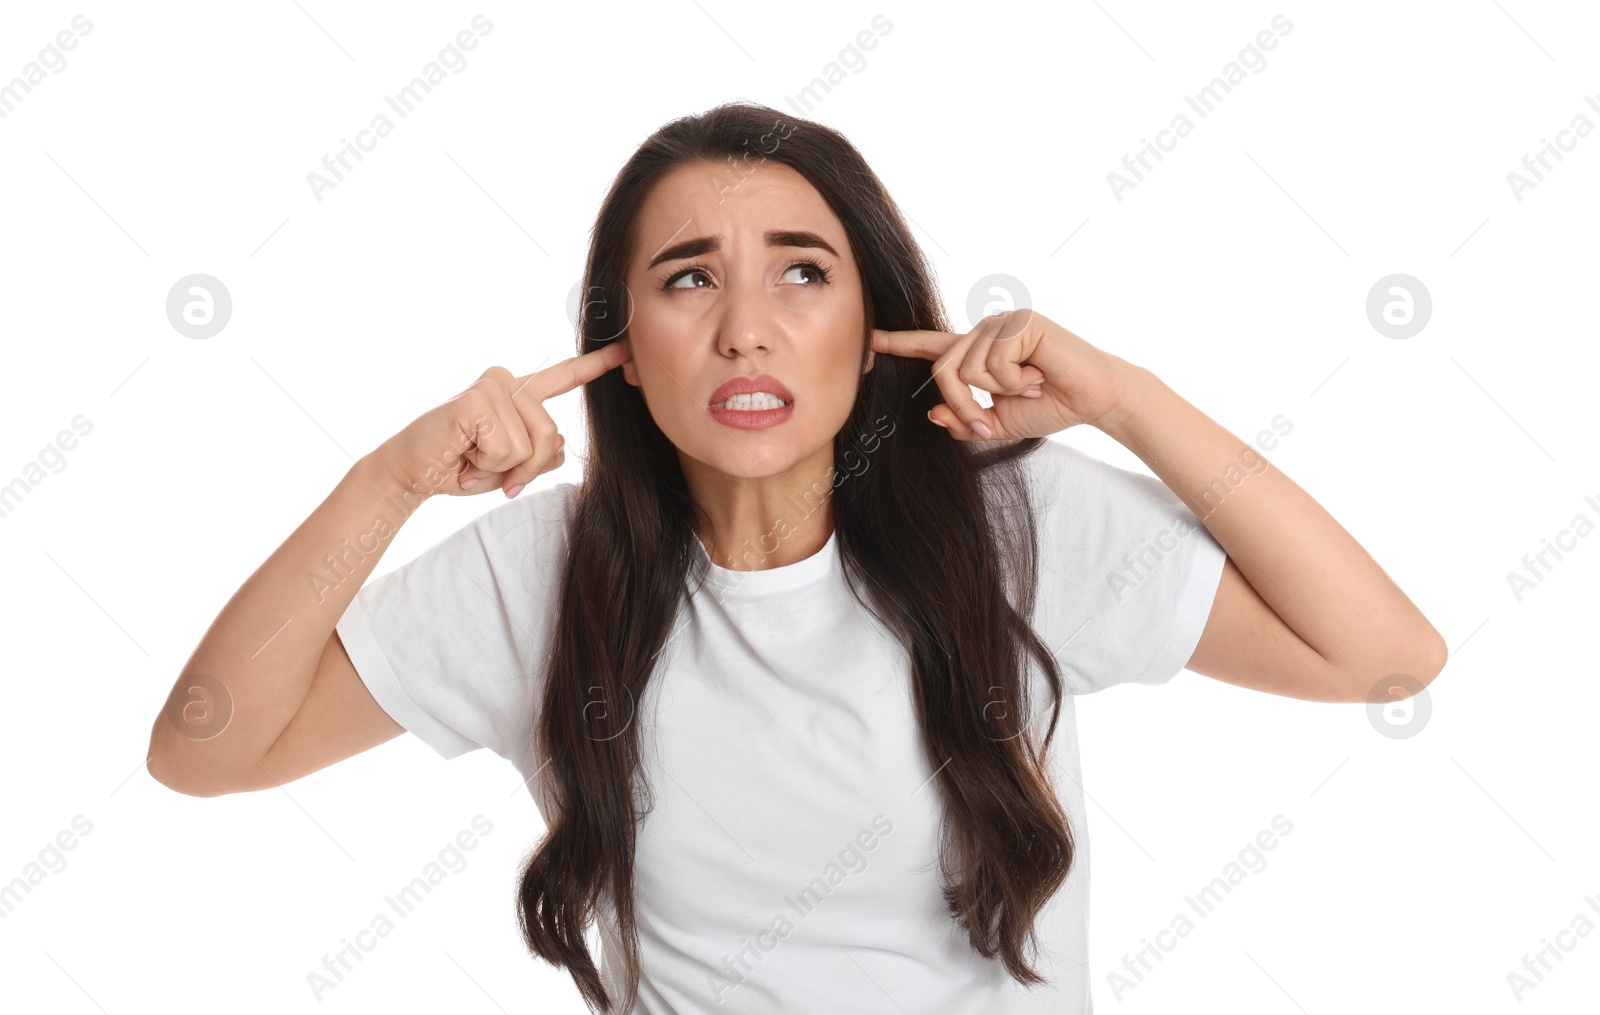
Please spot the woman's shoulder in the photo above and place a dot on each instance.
(1065, 480)
(515, 547)
(1053, 456)
(535, 509)
(1049, 468)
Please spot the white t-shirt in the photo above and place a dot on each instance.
(790, 861)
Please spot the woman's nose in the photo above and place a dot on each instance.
(744, 320)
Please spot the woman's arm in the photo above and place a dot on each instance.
(254, 668)
(270, 694)
(1302, 610)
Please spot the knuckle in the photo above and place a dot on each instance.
(509, 453)
(522, 448)
(470, 402)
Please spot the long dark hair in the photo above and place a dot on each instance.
(945, 562)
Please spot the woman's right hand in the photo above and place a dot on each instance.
(494, 434)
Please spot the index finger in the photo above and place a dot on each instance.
(560, 378)
(923, 344)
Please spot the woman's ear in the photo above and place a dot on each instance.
(629, 374)
(870, 355)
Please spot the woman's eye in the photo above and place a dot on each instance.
(810, 274)
(689, 274)
(815, 271)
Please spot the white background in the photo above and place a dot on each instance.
(1376, 140)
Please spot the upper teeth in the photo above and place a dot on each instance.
(758, 400)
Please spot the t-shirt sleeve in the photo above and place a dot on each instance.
(452, 644)
(1127, 573)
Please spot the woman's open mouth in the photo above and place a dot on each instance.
(751, 403)
(752, 412)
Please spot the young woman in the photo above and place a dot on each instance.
(783, 672)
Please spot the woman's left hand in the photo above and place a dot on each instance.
(1007, 355)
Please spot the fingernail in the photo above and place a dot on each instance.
(934, 421)
(1033, 393)
(468, 484)
(515, 490)
(981, 428)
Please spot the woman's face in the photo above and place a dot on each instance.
(727, 281)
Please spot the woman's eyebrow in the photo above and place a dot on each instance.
(774, 237)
